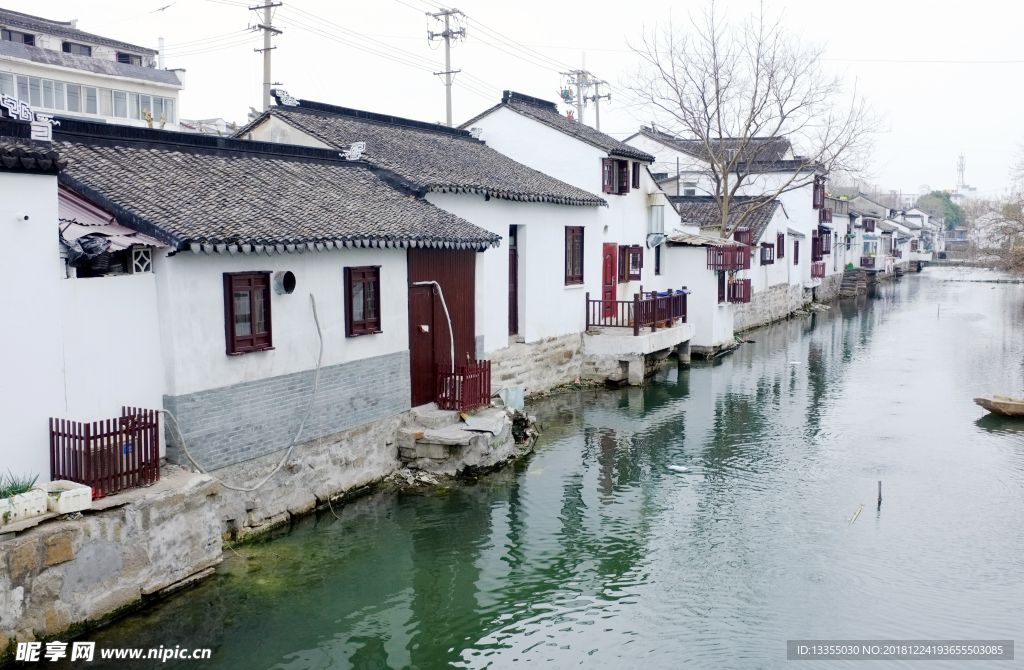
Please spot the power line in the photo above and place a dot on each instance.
(251, 40)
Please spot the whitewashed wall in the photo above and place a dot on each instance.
(547, 307)
(191, 294)
(31, 348)
(712, 321)
(273, 129)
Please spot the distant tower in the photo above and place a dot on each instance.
(961, 166)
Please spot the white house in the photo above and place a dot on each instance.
(530, 290)
(57, 68)
(219, 325)
(622, 243)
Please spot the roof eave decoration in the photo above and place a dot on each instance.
(289, 247)
(518, 197)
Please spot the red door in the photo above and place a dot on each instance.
(422, 361)
(609, 265)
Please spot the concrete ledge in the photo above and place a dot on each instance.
(621, 342)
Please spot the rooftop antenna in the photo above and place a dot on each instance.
(961, 167)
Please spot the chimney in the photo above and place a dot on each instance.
(160, 53)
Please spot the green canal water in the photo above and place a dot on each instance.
(594, 553)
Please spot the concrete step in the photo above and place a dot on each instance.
(430, 417)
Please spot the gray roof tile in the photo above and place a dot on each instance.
(547, 113)
(701, 210)
(37, 24)
(188, 189)
(435, 157)
(87, 63)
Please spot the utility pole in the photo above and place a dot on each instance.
(447, 36)
(268, 31)
(596, 98)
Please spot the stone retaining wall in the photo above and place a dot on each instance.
(538, 366)
(829, 289)
(64, 575)
(772, 304)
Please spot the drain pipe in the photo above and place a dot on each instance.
(451, 336)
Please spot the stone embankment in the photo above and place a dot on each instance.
(61, 576)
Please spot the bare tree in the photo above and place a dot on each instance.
(744, 93)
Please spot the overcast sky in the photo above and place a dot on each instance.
(946, 75)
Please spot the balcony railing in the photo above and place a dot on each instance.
(818, 270)
(728, 257)
(739, 290)
(825, 215)
(867, 262)
(468, 387)
(651, 309)
(897, 253)
(110, 455)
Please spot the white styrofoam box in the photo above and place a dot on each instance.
(64, 497)
(23, 506)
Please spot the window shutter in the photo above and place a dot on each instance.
(623, 174)
(796, 252)
(608, 175)
(780, 245)
(623, 264)
(636, 175)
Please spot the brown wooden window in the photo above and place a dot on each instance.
(780, 245)
(623, 258)
(767, 253)
(77, 49)
(362, 301)
(636, 262)
(573, 255)
(129, 59)
(743, 236)
(247, 312)
(615, 176)
(657, 260)
(796, 252)
(636, 175)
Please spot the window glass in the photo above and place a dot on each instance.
(133, 106)
(58, 95)
(146, 103)
(106, 102)
(74, 98)
(35, 92)
(158, 108)
(357, 301)
(243, 316)
(657, 224)
(259, 296)
(90, 100)
(47, 94)
(169, 109)
(121, 104)
(23, 89)
(7, 84)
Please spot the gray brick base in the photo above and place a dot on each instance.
(232, 424)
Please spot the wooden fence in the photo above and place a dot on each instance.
(110, 455)
(740, 290)
(467, 388)
(649, 309)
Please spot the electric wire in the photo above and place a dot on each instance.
(302, 424)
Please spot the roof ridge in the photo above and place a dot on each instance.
(69, 29)
(512, 96)
(374, 117)
(69, 24)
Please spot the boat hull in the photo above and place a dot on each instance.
(1004, 407)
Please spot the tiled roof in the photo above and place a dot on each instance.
(435, 157)
(758, 149)
(43, 56)
(701, 210)
(218, 194)
(20, 155)
(547, 113)
(37, 24)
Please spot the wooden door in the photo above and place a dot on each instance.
(513, 281)
(422, 361)
(609, 268)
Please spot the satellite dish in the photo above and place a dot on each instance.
(654, 239)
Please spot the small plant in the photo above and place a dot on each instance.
(11, 485)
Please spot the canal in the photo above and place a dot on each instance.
(596, 553)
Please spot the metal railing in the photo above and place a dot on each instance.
(468, 387)
(110, 455)
(818, 270)
(646, 309)
(728, 257)
(740, 290)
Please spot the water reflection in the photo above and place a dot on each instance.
(596, 553)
